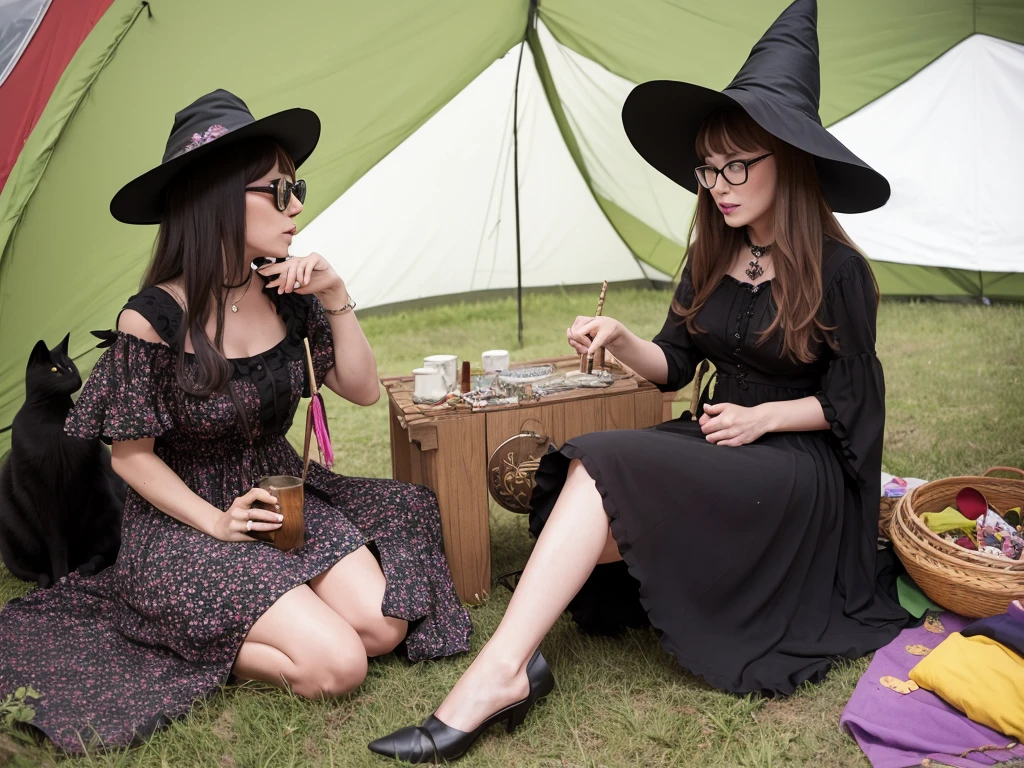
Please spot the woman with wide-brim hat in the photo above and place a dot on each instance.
(196, 391)
(748, 537)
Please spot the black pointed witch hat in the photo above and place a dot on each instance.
(779, 87)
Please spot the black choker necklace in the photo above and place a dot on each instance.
(755, 270)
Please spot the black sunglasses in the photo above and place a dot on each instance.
(282, 190)
(735, 172)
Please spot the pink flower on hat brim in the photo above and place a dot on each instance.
(213, 132)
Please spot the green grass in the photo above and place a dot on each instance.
(955, 377)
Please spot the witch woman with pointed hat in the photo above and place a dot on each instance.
(747, 538)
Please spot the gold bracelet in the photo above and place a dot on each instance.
(347, 308)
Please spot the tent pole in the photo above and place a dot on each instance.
(515, 163)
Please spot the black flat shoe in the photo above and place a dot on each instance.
(433, 741)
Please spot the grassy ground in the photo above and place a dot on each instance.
(955, 378)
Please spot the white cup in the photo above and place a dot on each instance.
(496, 360)
(447, 365)
(428, 384)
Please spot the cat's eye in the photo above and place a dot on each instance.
(54, 369)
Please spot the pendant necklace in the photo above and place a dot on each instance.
(234, 305)
(755, 270)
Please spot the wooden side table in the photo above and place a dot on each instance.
(448, 450)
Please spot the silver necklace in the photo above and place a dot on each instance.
(234, 305)
(755, 270)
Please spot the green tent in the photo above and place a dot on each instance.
(456, 161)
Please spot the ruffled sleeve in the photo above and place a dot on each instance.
(321, 339)
(682, 355)
(124, 397)
(852, 394)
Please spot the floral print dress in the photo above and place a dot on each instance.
(116, 655)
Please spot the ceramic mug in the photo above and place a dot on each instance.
(448, 366)
(496, 360)
(428, 385)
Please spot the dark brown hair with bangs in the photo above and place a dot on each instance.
(202, 240)
(802, 219)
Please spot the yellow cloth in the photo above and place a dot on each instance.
(978, 676)
(948, 519)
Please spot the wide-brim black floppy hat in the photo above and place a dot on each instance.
(209, 124)
(779, 88)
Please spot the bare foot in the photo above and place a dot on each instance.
(486, 687)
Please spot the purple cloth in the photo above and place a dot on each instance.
(896, 730)
(1007, 629)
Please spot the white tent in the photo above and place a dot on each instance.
(437, 215)
(951, 142)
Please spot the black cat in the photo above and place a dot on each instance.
(60, 502)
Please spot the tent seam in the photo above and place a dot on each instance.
(47, 152)
(548, 85)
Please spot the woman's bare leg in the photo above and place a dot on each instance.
(301, 642)
(574, 540)
(354, 589)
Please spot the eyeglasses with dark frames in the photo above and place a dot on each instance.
(282, 190)
(735, 172)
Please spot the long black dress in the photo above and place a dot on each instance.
(118, 655)
(757, 563)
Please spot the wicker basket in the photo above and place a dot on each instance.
(967, 582)
(886, 508)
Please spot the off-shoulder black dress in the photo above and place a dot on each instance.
(756, 563)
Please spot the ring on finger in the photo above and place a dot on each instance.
(297, 284)
(248, 524)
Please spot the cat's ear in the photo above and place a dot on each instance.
(64, 344)
(40, 354)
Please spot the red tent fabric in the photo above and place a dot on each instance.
(27, 89)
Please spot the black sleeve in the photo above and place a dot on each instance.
(852, 393)
(674, 339)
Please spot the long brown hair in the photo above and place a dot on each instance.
(802, 220)
(202, 236)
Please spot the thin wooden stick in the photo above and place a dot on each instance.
(305, 449)
(309, 410)
(312, 373)
(600, 299)
(702, 370)
(587, 365)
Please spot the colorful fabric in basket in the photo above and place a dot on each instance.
(948, 519)
(978, 676)
(989, 533)
(996, 536)
(896, 731)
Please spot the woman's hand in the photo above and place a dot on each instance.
(590, 333)
(242, 517)
(304, 274)
(731, 424)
